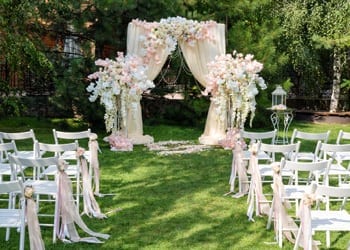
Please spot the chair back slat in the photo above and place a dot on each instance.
(71, 135)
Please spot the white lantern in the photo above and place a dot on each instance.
(279, 97)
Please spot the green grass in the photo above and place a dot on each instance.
(167, 202)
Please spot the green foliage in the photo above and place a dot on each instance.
(10, 101)
(346, 84)
(71, 97)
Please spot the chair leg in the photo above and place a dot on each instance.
(22, 237)
(297, 239)
(328, 239)
(280, 230)
(269, 219)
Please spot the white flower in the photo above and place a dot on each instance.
(233, 81)
(116, 81)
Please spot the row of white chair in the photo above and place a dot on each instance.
(43, 158)
(326, 161)
(298, 135)
(29, 138)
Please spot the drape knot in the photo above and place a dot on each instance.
(276, 167)
(80, 152)
(28, 192)
(62, 165)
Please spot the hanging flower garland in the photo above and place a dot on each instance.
(119, 84)
(233, 80)
(168, 31)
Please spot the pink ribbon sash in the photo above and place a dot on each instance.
(67, 213)
(256, 196)
(94, 164)
(35, 239)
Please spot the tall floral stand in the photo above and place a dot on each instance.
(232, 81)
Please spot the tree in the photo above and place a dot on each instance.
(20, 44)
(330, 26)
(315, 30)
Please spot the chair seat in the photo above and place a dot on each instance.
(266, 170)
(296, 191)
(42, 186)
(337, 169)
(71, 155)
(306, 156)
(261, 155)
(52, 170)
(330, 220)
(5, 169)
(343, 155)
(10, 217)
(26, 154)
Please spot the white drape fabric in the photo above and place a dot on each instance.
(197, 56)
(134, 47)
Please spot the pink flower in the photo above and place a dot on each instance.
(103, 63)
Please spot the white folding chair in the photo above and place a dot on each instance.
(310, 138)
(44, 190)
(276, 153)
(336, 152)
(343, 138)
(329, 219)
(293, 192)
(5, 167)
(253, 137)
(13, 216)
(64, 137)
(73, 166)
(84, 138)
(262, 172)
(26, 139)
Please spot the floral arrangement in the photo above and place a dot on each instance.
(232, 139)
(168, 31)
(279, 107)
(232, 82)
(119, 84)
(119, 142)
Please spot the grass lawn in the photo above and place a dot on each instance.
(167, 202)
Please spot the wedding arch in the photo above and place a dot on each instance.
(200, 43)
(230, 78)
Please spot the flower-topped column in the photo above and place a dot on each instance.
(233, 82)
(119, 84)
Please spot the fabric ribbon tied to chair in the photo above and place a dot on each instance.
(68, 213)
(280, 207)
(94, 150)
(91, 207)
(256, 197)
(36, 241)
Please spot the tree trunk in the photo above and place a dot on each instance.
(337, 69)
